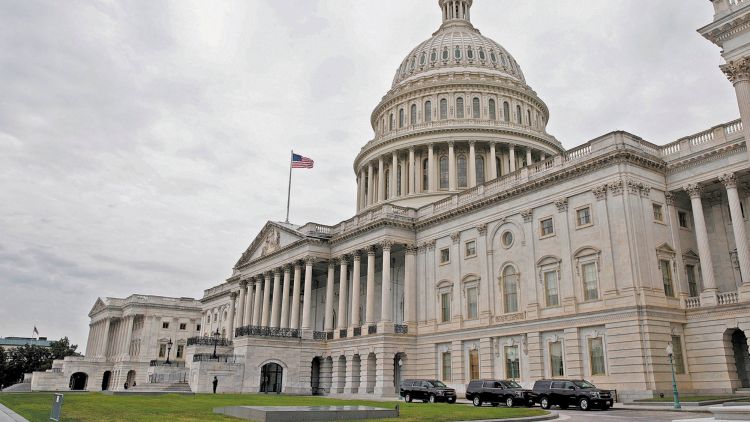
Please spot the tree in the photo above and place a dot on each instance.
(3, 370)
(62, 348)
(25, 359)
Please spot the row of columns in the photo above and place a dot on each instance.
(370, 192)
(257, 308)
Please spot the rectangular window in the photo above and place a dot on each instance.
(473, 364)
(471, 248)
(198, 327)
(677, 358)
(583, 217)
(556, 359)
(658, 214)
(165, 325)
(162, 350)
(666, 276)
(590, 289)
(547, 227)
(471, 303)
(692, 282)
(596, 356)
(180, 351)
(183, 326)
(683, 219)
(447, 366)
(445, 307)
(512, 363)
(550, 288)
(445, 255)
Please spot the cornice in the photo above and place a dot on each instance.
(706, 156)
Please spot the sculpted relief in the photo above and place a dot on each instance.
(271, 242)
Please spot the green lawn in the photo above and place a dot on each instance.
(88, 407)
(690, 399)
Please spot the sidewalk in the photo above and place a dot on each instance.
(7, 415)
(686, 409)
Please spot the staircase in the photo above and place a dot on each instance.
(742, 391)
(156, 389)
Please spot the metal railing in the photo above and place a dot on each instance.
(372, 329)
(175, 364)
(401, 329)
(357, 331)
(209, 357)
(255, 331)
(172, 378)
(208, 341)
(342, 333)
(320, 335)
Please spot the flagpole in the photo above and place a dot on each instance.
(289, 189)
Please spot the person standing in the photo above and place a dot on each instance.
(215, 383)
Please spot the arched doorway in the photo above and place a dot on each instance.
(315, 376)
(741, 357)
(130, 379)
(271, 376)
(105, 380)
(341, 374)
(78, 381)
(372, 362)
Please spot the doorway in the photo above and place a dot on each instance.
(271, 376)
(741, 357)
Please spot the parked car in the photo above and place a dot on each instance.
(495, 392)
(426, 390)
(566, 393)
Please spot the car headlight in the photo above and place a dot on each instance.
(594, 394)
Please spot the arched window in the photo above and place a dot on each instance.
(475, 108)
(444, 173)
(460, 107)
(457, 53)
(443, 109)
(510, 289)
(401, 118)
(433, 56)
(423, 59)
(445, 53)
(470, 53)
(412, 63)
(519, 116)
(506, 111)
(479, 164)
(413, 114)
(493, 57)
(387, 183)
(528, 113)
(393, 122)
(425, 175)
(398, 180)
(463, 171)
(481, 54)
(493, 111)
(428, 111)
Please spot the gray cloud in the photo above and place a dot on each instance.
(143, 144)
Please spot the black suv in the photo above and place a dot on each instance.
(566, 393)
(427, 390)
(496, 392)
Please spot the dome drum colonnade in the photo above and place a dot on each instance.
(459, 114)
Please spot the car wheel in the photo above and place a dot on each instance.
(584, 404)
(432, 398)
(544, 403)
(407, 398)
(509, 401)
(477, 401)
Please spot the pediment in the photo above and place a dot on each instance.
(690, 254)
(666, 249)
(273, 237)
(99, 305)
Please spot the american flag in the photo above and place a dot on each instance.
(300, 162)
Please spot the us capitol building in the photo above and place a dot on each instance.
(481, 248)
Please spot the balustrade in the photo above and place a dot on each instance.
(208, 341)
(256, 331)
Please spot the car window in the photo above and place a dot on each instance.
(426, 384)
(557, 384)
(512, 384)
(568, 385)
(584, 384)
(498, 385)
(438, 384)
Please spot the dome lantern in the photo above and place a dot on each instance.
(455, 10)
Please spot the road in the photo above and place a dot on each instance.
(613, 415)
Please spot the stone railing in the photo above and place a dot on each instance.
(171, 364)
(255, 331)
(208, 341)
(693, 302)
(213, 291)
(707, 139)
(223, 358)
(729, 298)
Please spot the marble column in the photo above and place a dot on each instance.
(451, 166)
(294, 323)
(355, 289)
(232, 312)
(370, 175)
(258, 305)
(386, 299)
(284, 323)
(738, 225)
(128, 335)
(394, 176)
(248, 318)
(431, 167)
(701, 234)
(542, 156)
(381, 180)
(243, 297)
(512, 152)
(328, 318)
(370, 309)
(412, 173)
(276, 300)
(361, 200)
(404, 177)
(472, 168)
(307, 298)
(528, 157)
(266, 311)
(738, 73)
(493, 161)
(410, 285)
(343, 294)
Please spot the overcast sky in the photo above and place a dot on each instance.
(144, 143)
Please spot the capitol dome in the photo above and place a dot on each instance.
(458, 115)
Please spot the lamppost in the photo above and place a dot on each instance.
(169, 349)
(216, 336)
(670, 353)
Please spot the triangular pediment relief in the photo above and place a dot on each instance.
(690, 254)
(665, 248)
(98, 306)
(273, 237)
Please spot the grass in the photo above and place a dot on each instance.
(90, 407)
(691, 399)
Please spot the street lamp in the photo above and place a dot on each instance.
(216, 336)
(169, 349)
(670, 353)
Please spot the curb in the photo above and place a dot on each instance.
(548, 417)
(662, 409)
(7, 415)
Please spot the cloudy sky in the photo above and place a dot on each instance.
(144, 143)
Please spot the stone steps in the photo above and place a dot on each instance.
(171, 387)
(21, 387)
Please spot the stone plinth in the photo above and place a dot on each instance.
(305, 413)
